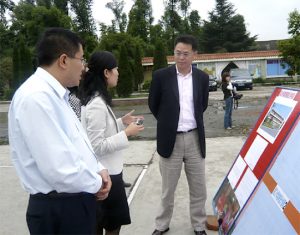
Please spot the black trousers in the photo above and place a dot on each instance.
(61, 213)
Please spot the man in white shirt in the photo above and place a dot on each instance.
(49, 148)
(178, 97)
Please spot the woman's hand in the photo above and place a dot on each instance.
(128, 118)
(133, 129)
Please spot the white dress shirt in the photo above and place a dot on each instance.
(186, 101)
(106, 134)
(48, 145)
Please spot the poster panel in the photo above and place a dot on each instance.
(275, 205)
(239, 188)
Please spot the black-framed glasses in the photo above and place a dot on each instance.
(83, 61)
(181, 53)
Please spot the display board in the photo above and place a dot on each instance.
(260, 194)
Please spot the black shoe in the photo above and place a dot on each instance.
(126, 185)
(200, 232)
(158, 232)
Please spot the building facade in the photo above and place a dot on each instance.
(261, 64)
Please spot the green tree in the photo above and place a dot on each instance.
(62, 5)
(113, 41)
(6, 40)
(44, 3)
(31, 2)
(5, 5)
(156, 32)
(290, 48)
(195, 23)
(294, 23)
(25, 58)
(5, 34)
(84, 24)
(84, 21)
(22, 63)
(171, 23)
(159, 58)
(30, 21)
(179, 19)
(5, 76)
(290, 51)
(125, 83)
(140, 19)
(15, 82)
(226, 31)
(184, 6)
(120, 21)
(107, 29)
(138, 68)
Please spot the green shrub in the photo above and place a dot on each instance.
(259, 80)
(146, 85)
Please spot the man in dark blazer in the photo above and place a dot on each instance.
(178, 97)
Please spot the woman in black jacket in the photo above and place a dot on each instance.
(227, 89)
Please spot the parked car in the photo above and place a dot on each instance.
(213, 86)
(241, 78)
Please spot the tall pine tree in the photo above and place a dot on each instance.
(125, 83)
(84, 23)
(140, 19)
(62, 5)
(138, 68)
(15, 82)
(171, 22)
(226, 31)
(159, 58)
(22, 64)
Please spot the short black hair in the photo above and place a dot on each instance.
(187, 39)
(55, 42)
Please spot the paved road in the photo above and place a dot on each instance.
(141, 168)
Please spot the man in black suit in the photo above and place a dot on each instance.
(178, 97)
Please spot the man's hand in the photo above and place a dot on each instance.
(106, 185)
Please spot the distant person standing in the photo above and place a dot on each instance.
(227, 89)
(108, 135)
(49, 148)
(178, 97)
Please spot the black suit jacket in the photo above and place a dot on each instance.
(164, 104)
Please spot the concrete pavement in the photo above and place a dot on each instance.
(141, 169)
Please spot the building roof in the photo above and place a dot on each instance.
(249, 55)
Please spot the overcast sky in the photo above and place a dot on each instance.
(266, 18)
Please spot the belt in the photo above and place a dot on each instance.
(54, 194)
(182, 132)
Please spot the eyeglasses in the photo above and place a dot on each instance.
(83, 61)
(180, 53)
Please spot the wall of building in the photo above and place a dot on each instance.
(258, 68)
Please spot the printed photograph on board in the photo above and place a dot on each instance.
(276, 117)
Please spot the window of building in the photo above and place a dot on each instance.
(274, 68)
